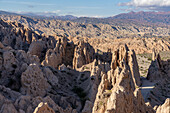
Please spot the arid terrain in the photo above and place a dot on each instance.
(59, 66)
(126, 28)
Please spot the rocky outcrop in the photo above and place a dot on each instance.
(155, 69)
(9, 60)
(43, 107)
(37, 48)
(53, 80)
(38, 104)
(53, 58)
(7, 96)
(159, 93)
(97, 72)
(117, 91)
(33, 81)
(14, 34)
(130, 59)
(87, 107)
(83, 54)
(13, 63)
(165, 108)
(159, 73)
(57, 56)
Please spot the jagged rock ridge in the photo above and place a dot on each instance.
(60, 76)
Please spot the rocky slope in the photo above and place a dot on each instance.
(151, 17)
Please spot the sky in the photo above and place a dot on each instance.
(91, 8)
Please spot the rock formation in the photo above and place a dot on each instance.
(60, 54)
(159, 72)
(37, 48)
(96, 74)
(130, 59)
(33, 81)
(117, 91)
(165, 108)
(155, 69)
(43, 107)
(42, 73)
(83, 54)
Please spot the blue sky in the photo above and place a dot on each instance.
(95, 8)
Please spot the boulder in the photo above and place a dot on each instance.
(33, 81)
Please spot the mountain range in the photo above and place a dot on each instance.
(158, 18)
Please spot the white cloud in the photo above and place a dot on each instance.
(163, 5)
(143, 3)
(54, 12)
(45, 13)
(95, 16)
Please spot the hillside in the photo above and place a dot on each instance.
(74, 29)
(150, 17)
(156, 18)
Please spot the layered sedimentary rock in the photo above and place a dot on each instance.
(117, 91)
(83, 54)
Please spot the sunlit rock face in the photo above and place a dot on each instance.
(118, 90)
